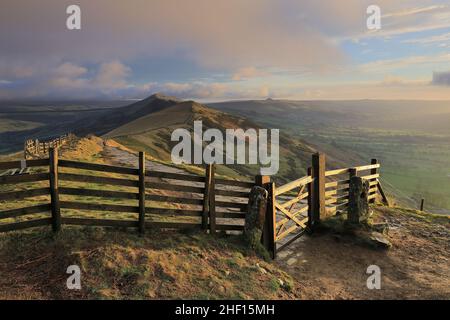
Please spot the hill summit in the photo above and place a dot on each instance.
(148, 124)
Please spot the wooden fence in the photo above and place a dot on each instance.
(121, 197)
(41, 176)
(128, 197)
(300, 205)
(33, 148)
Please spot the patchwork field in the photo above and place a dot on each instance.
(414, 165)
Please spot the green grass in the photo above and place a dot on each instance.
(414, 165)
(424, 216)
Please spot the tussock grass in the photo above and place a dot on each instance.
(124, 265)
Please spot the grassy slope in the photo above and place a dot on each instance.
(123, 265)
(410, 138)
(120, 264)
(152, 134)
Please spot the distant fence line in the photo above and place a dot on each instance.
(34, 148)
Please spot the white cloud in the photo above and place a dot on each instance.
(414, 11)
(405, 18)
(70, 70)
(112, 75)
(248, 72)
(198, 90)
(375, 91)
(250, 40)
(428, 40)
(388, 65)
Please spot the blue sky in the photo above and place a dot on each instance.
(220, 50)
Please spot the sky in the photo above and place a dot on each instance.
(225, 49)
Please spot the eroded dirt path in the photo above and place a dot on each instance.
(328, 266)
(124, 158)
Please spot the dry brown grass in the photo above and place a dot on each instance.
(123, 265)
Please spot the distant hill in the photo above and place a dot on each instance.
(424, 116)
(148, 125)
(45, 119)
(144, 125)
(175, 115)
(117, 117)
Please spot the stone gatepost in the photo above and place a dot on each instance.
(254, 220)
(358, 204)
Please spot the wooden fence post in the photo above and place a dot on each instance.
(206, 195)
(318, 170)
(141, 223)
(270, 221)
(54, 193)
(383, 195)
(263, 182)
(422, 202)
(212, 201)
(353, 172)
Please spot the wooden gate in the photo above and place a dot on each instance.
(300, 205)
(290, 205)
